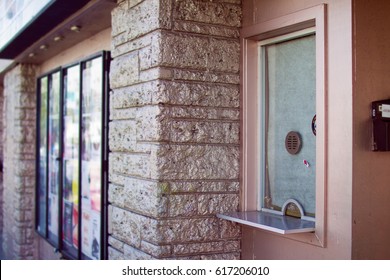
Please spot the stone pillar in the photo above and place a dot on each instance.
(19, 162)
(174, 129)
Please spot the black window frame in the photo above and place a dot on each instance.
(44, 233)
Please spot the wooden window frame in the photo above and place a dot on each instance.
(314, 17)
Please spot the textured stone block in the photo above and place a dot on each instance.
(206, 29)
(149, 230)
(29, 182)
(183, 205)
(27, 71)
(232, 246)
(150, 56)
(209, 54)
(197, 94)
(174, 87)
(229, 229)
(114, 254)
(197, 248)
(25, 202)
(18, 215)
(197, 162)
(120, 47)
(24, 134)
(125, 226)
(133, 96)
(217, 203)
(124, 70)
(180, 93)
(149, 124)
(157, 251)
(189, 230)
(204, 132)
(130, 164)
(132, 253)
(25, 114)
(119, 18)
(116, 195)
(24, 149)
(203, 187)
(116, 178)
(144, 197)
(136, 20)
(208, 12)
(122, 136)
(115, 243)
(27, 97)
(25, 167)
(122, 114)
(226, 256)
(152, 74)
(203, 113)
(20, 236)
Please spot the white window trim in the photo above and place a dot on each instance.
(314, 17)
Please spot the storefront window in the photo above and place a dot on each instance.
(72, 167)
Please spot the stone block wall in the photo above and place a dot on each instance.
(174, 129)
(1, 159)
(19, 162)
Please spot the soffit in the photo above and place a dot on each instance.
(92, 17)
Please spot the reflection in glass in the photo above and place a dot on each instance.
(91, 154)
(291, 106)
(41, 194)
(54, 146)
(70, 192)
(70, 158)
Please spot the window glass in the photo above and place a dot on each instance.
(91, 156)
(42, 158)
(54, 156)
(70, 191)
(71, 164)
(290, 98)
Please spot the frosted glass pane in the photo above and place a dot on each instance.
(290, 99)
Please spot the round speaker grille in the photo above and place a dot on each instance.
(293, 142)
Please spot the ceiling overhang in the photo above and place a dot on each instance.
(53, 15)
(51, 32)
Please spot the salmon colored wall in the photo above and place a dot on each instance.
(99, 42)
(371, 180)
(258, 244)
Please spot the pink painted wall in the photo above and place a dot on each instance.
(258, 244)
(371, 170)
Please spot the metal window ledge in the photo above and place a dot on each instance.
(270, 222)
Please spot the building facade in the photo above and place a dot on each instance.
(156, 129)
